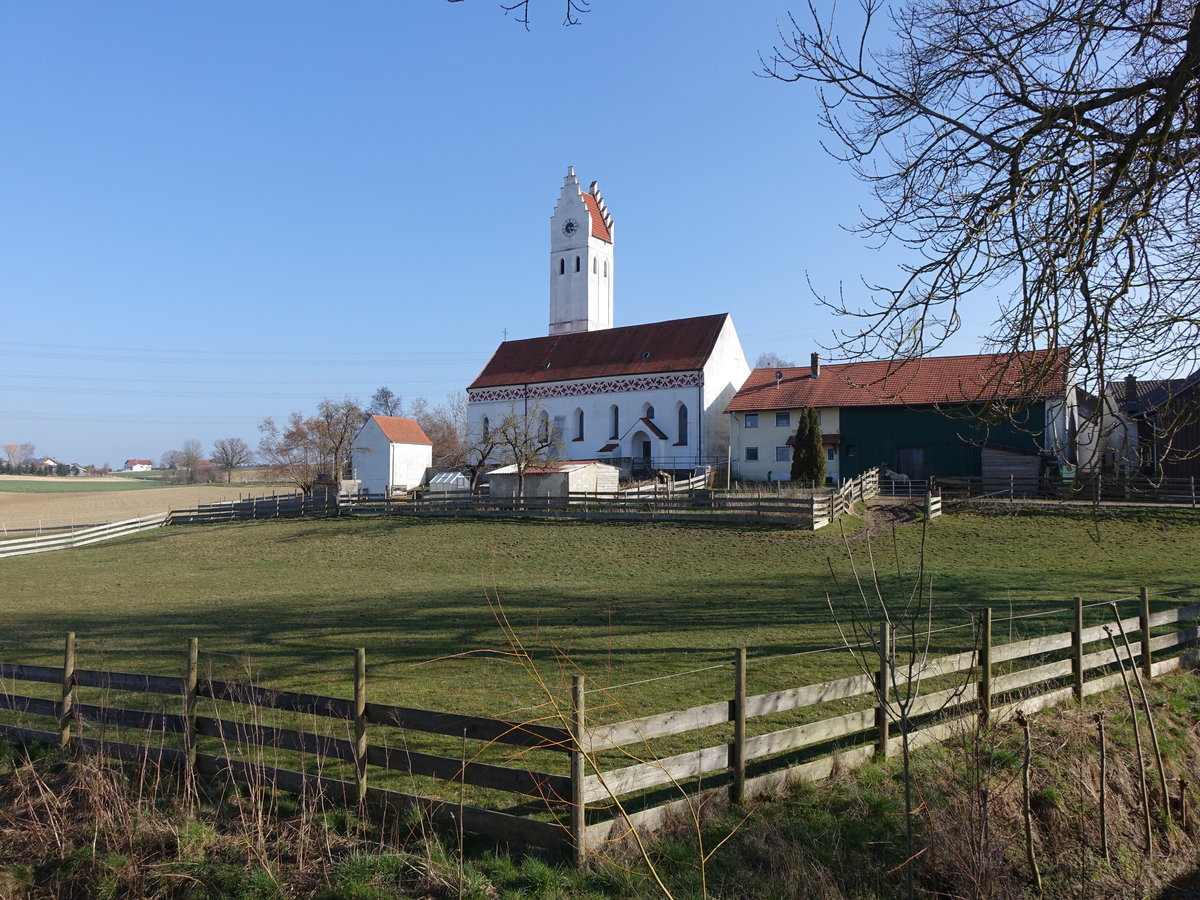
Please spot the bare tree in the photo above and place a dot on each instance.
(384, 402)
(520, 9)
(772, 360)
(527, 438)
(309, 446)
(1043, 151)
(446, 427)
(230, 453)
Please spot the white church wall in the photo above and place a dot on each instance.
(595, 398)
(724, 374)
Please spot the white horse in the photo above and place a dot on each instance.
(894, 476)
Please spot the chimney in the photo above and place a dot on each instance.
(1130, 388)
(815, 371)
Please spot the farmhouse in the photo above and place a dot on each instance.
(941, 416)
(1164, 426)
(391, 452)
(137, 465)
(639, 397)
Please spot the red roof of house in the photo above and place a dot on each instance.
(399, 430)
(679, 345)
(914, 382)
(138, 462)
(599, 226)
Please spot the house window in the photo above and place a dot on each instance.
(562, 267)
(593, 265)
(783, 418)
(615, 416)
(830, 454)
(683, 423)
(783, 454)
(606, 268)
(751, 454)
(579, 424)
(577, 264)
(751, 420)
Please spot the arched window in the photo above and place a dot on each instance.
(577, 264)
(562, 266)
(593, 265)
(683, 425)
(615, 432)
(606, 268)
(649, 411)
(544, 428)
(579, 424)
(487, 429)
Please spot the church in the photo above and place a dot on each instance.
(641, 397)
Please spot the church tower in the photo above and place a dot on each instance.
(581, 260)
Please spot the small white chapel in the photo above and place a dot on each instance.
(640, 397)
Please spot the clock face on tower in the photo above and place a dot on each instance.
(570, 227)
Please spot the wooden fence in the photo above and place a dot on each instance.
(592, 795)
(1084, 487)
(22, 546)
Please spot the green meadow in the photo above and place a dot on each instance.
(485, 616)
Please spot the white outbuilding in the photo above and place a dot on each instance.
(555, 478)
(391, 453)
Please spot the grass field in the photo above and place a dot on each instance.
(622, 601)
(73, 485)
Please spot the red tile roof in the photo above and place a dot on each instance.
(599, 226)
(916, 382)
(399, 430)
(679, 345)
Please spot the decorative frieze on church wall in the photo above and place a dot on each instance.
(586, 388)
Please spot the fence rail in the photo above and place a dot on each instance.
(586, 799)
(82, 537)
(1093, 487)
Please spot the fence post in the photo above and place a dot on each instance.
(360, 722)
(985, 665)
(1077, 648)
(737, 750)
(1193, 483)
(1144, 625)
(67, 711)
(578, 819)
(190, 679)
(928, 505)
(881, 689)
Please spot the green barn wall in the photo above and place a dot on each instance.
(871, 435)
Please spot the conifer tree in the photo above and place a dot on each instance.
(808, 457)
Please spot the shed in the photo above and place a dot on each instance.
(556, 479)
(391, 452)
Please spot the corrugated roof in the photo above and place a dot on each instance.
(400, 430)
(916, 382)
(599, 226)
(679, 345)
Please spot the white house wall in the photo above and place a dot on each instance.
(767, 435)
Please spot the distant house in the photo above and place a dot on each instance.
(943, 416)
(1166, 416)
(391, 452)
(137, 465)
(555, 478)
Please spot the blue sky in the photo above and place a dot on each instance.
(214, 213)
